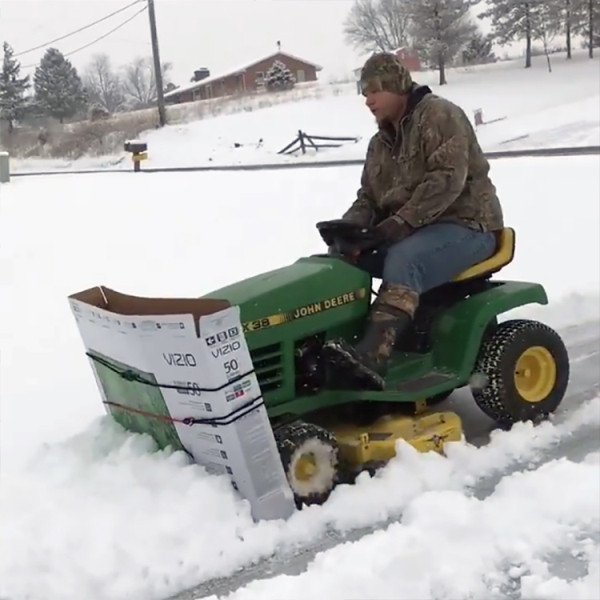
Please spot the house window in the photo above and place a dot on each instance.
(300, 76)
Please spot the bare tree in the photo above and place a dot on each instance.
(139, 82)
(378, 25)
(545, 29)
(548, 19)
(103, 85)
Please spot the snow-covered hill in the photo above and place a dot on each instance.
(528, 107)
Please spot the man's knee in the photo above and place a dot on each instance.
(403, 266)
(407, 273)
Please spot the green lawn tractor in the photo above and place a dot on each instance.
(326, 430)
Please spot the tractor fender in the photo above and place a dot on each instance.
(458, 333)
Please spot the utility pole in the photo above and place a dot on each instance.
(162, 118)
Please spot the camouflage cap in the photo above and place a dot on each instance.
(385, 72)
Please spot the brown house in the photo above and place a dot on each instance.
(409, 58)
(245, 80)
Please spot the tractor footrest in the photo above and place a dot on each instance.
(375, 443)
(425, 382)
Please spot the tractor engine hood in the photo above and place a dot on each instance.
(307, 287)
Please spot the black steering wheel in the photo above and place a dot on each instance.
(345, 237)
(354, 243)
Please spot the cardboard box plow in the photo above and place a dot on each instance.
(180, 371)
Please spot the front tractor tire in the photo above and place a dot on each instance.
(309, 455)
(521, 373)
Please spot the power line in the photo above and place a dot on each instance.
(99, 38)
(62, 37)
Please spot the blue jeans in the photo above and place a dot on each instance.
(434, 254)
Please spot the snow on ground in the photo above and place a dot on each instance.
(534, 108)
(90, 511)
(452, 546)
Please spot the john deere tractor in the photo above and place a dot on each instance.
(327, 431)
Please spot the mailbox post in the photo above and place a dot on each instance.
(4, 167)
(138, 152)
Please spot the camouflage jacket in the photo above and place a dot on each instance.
(433, 169)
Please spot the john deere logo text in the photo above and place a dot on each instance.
(305, 311)
(311, 309)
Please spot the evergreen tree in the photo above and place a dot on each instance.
(568, 21)
(12, 88)
(512, 20)
(478, 50)
(441, 28)
(574, 17)
(594, 26)
(279, 77)
(586, 22)
(58, 88)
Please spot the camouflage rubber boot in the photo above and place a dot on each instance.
(365, 364)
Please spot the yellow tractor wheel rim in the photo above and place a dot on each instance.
(535, 374)
(305, 467)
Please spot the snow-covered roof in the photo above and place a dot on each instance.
(307, 62)
(198, 84)
(236, 71)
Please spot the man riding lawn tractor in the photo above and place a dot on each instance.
(427, 199)
(427, 222)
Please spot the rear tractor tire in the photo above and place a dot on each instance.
(521, 373)
(309, 455)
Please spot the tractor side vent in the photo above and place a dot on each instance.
(268, 367)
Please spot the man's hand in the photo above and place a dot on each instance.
(347, 238)
(393, 229)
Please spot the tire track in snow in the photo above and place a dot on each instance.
(572, 433)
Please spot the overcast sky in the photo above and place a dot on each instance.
(217, 34)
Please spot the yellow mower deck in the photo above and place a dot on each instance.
(376, 442)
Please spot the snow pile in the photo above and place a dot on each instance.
(449, 545)
(99, 516)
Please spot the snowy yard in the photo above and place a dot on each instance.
(530, 108)
(90, 511)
